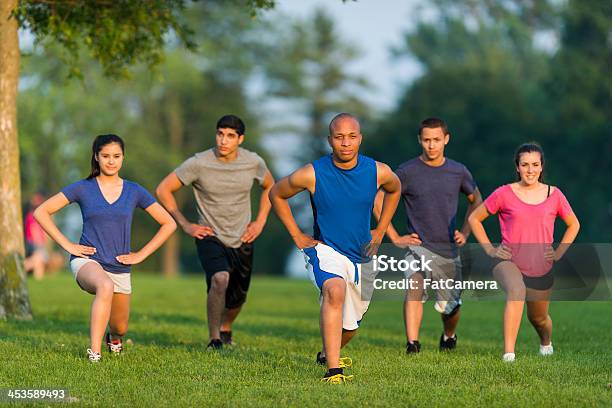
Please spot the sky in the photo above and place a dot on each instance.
(374, 27)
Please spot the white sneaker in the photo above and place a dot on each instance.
(114, 346)
(93, 356)
(440, 306)
(509, 357)
(546, 350)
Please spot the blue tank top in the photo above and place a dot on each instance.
(342, 205)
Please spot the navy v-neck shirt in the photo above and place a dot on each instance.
(107, 226)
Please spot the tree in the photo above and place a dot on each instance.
(580, 89)
(118, 34)
(307, 68)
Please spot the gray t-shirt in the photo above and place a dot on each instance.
(430, 196)
(222, 190)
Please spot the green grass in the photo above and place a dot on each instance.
(273, 365)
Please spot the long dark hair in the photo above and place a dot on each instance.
(530, 147)
(99, 142)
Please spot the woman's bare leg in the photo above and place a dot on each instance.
(511, 279)
(120, 315)
(537, 311)
(93, 279)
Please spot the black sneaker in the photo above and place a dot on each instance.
(343, 362)
(115, 346)
(413, 347)
(215, 344)
(448, 344)
(226, 338)
(321, 360)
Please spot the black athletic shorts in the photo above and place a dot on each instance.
(216, 257)
(543, 282)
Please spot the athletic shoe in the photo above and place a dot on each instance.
(343, 362)
(338, 378)
(115, 346)
(215, 344)
(413, 348)
(440, 306)
(226, 338)
(546, 350)
(93, 356)
(448, 344)
(509, 357)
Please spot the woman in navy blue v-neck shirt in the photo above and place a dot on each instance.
(102, 259)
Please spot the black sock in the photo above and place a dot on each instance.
(334, 371)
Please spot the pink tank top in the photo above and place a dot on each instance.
(527, 229)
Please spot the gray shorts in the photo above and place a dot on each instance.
(447, 300)
(122, 281)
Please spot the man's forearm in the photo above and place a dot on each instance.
(466, 230)
(264, 206)
(389, 206)
(179, 218)
(169, 202)
(378, 204)
(283, 210)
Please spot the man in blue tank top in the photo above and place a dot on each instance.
(342, 189)
(431, 184)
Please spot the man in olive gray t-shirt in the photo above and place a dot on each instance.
(222, 179)
(223, 191)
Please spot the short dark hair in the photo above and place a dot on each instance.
(339, 116)
(231, 122)
(529, 147)
(432, 123)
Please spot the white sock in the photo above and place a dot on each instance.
(509, 357)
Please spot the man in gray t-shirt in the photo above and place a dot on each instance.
(431, 184)
(222, 179)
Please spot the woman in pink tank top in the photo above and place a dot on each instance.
(522, 263)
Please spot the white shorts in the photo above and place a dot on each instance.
(443, 268)
(323, 263)
(122, 281)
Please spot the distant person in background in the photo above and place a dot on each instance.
(222, 178)
(36, 240)
(40, 259)
(527, 210)
(101, 261)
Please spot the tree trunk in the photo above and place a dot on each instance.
(14, 300)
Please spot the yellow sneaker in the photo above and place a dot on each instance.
(336, 379)
(344, 362)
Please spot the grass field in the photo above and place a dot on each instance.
(277, 336)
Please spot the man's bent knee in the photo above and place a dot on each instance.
(219, 281)
(334, 291)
